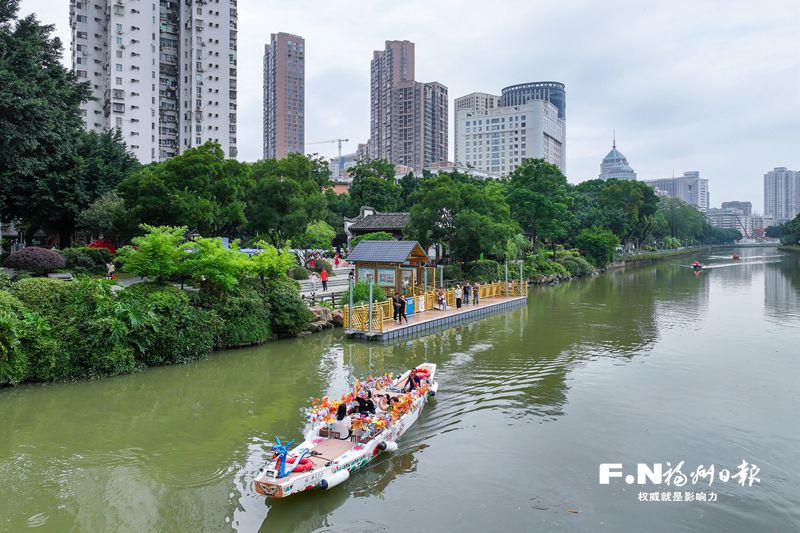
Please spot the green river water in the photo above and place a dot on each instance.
(649, 365)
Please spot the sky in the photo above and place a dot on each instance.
(700, 85)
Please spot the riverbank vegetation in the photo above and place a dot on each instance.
(52, 329)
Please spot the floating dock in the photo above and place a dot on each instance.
(434, 319)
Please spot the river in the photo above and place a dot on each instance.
(649, 365)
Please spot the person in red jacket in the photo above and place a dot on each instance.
(324, 277)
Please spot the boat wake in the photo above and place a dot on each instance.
(738, 263)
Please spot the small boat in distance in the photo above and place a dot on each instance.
(735, 257)
(326, 458)
(697, 267)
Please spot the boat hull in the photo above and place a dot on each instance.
(356, 457)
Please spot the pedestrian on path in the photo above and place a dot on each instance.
(466, 293)
(313, 278)
(324, 276)
(459, 294)
(395, 307)
(401, 310)
(476, 291)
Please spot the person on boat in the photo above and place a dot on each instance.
(342, 423)
(365, 404)
(414, 381)
(381, 403)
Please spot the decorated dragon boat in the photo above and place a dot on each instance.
(326, 458)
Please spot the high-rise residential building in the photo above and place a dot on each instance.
(474, 102)
(284, 95)
(745, 207)
(782, 194)
(496, 133)
(408, 119)
(690, 188)
(615, 165)
(163, 74)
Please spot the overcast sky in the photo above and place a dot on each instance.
(712, 86)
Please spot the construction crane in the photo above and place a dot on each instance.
(340, 141)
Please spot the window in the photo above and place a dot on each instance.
(81, 18)
(119, 54)
(118, 66)
(118, 93)
(82, 35)
(119, 10)
(118, 122)
(81, 73)
(119, 41)
(118, 108)
(119, 28)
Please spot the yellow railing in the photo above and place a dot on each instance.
(382, 311)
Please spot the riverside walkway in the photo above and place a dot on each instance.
(494, 297)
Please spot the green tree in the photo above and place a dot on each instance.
(598, 245)
(286, 197)
(50, 169)
(198, 189)
(317, 236)
(157, 255)
(374, 185)
(467, 215)
(408, 185)
(105, 216)
(206, 258)
(271, 263)
(537, 194)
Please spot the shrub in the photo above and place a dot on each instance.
(486, 270)
(12, 361)
(156, 255)
(598, 245)
(46, 296)
(361, 294)
(39, 261)
(243, 315)
(86, 260)
(28, 349)
(289, 313)
(537, 265)
(453, 272)
(172, 330)
(577, 266)
(5, 281)
(299, 273)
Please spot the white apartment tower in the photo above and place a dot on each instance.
(163, 73)
(782, 194)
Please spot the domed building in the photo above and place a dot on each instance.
(615, 165)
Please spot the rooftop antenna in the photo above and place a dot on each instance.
(614, 142)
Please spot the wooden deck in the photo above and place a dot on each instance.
(421, 323)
